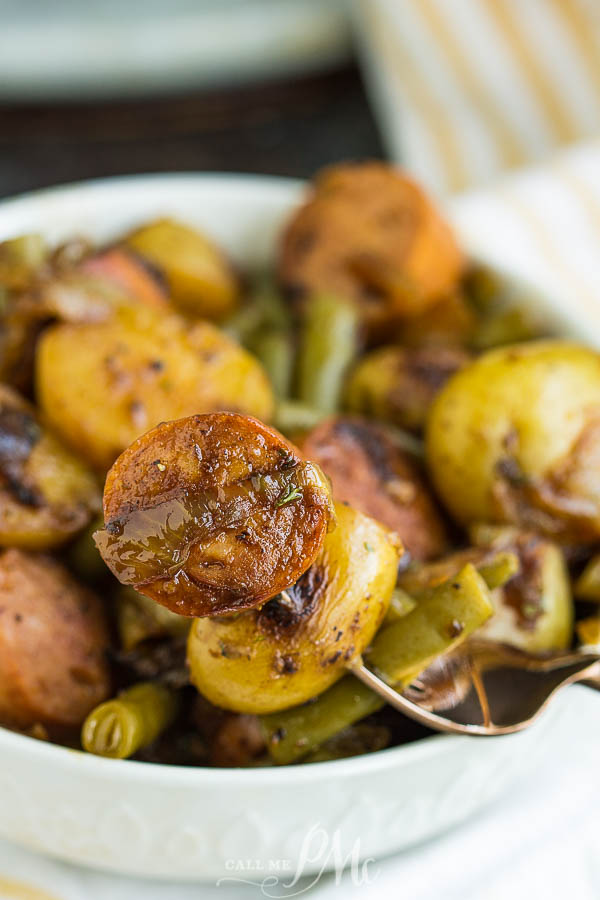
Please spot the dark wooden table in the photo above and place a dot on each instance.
(285, 128)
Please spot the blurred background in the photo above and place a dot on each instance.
(94, 89)
(456, 90)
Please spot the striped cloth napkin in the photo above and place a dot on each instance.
(542, 225)
(467, 88)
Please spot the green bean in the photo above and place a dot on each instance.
(291, 417)
(293, 733)
(496, 568)
(264, 309)
(442, 619)
(274, 349)
(328, 344)
(134, 719)
(500, 569)
(140, 618)
(587, 586)
(401, 605)
(445, 616)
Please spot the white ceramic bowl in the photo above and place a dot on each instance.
(198, 823)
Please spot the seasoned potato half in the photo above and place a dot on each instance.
(103, 384)
(212, 514)
(369, 233)
(201, 281)
(372, 472)
(515, 437)
(533, 609)
(53, 640)
(398, 384)
(46, 494)
(284, 653)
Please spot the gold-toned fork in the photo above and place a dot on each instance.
(486, 689)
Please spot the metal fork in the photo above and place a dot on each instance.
(486, 689)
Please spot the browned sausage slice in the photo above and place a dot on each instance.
(213, 513)
(370, 471)
(53, 638)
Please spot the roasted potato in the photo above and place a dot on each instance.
(46, 494)
(103, 384)
(367, 232)
(201, 281)
(284, 653)
(533, 610)
(53, 640)
(371, 471)
(397, 384)
(515, 438)
(212, 514)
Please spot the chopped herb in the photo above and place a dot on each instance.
(368, 547)
(291, 493)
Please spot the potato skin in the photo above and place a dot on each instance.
(212, 514)
(514, 438)
(275, 657)
(201, 281)
(369, 233)
(46, 494)
(397, 384)
(370, 471)
(53, 639)
(103, 384)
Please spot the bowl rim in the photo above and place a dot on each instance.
(124, 769)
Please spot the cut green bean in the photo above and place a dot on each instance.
(496, 568)
(264, 309)
(274, 349)
(328, 345)
(291, 734)
(444, 617)
(587, 586)
(118, 728)
(292, 417)
(401, 605)
(500, 569)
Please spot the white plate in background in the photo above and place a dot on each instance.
(73, 49)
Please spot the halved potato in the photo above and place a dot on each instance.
(284, 653)
(47, 495)
(515, 438)
(103, 384)
(397, 384)
(201, 281)
(212, 514)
